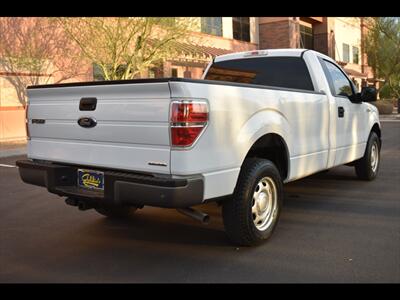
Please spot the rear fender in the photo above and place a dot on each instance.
(262, 123)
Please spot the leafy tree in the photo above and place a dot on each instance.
(34, 51)
(124, 47)
(382, 45)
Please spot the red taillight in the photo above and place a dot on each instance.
(28, 136)
(189, 112)
(188, 119)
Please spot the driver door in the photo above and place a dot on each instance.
(349, 117)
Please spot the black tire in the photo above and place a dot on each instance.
(116, 212)
(237, 211)
(363, 166)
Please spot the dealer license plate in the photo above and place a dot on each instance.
(90, 179)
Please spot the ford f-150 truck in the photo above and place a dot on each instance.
(255, 121)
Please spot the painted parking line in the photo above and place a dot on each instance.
(7, 166)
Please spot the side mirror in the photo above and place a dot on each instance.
(368, 94)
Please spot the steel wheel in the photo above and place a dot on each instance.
(252, 214)
(367, 167)
(264, 205)
(374, 157)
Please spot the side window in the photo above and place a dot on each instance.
(340, 85)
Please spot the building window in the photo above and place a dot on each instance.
(241, 28)
(306, 37)
(212, 25)
(355, 55)
(174, 72)
(346, 52)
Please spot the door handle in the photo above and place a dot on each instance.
(340, 112)
(88, 103)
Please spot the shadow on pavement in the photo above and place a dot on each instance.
(303, 196)
(163, 226)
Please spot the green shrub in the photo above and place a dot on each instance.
(385, 92)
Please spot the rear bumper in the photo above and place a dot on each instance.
(120, 188)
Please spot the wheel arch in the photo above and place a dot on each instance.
(272, 146)
(377, 129)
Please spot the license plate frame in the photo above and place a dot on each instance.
(90, 179)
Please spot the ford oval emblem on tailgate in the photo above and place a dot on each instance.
(87, 122)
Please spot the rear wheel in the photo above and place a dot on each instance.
(116, 212)
(251, 215)
(367, 167)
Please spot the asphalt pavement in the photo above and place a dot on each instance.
(333, 228)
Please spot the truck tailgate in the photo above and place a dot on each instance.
(131, 130)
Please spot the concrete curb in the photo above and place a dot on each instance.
(12, 152)
(389, 118)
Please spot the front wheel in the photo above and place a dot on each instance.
(251, 215)
(367, 167)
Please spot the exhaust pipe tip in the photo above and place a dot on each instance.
(195, 214)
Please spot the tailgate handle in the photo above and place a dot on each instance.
(88, 103)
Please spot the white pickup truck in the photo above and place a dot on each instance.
(254, 121)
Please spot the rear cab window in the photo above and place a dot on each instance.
(282, 72)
